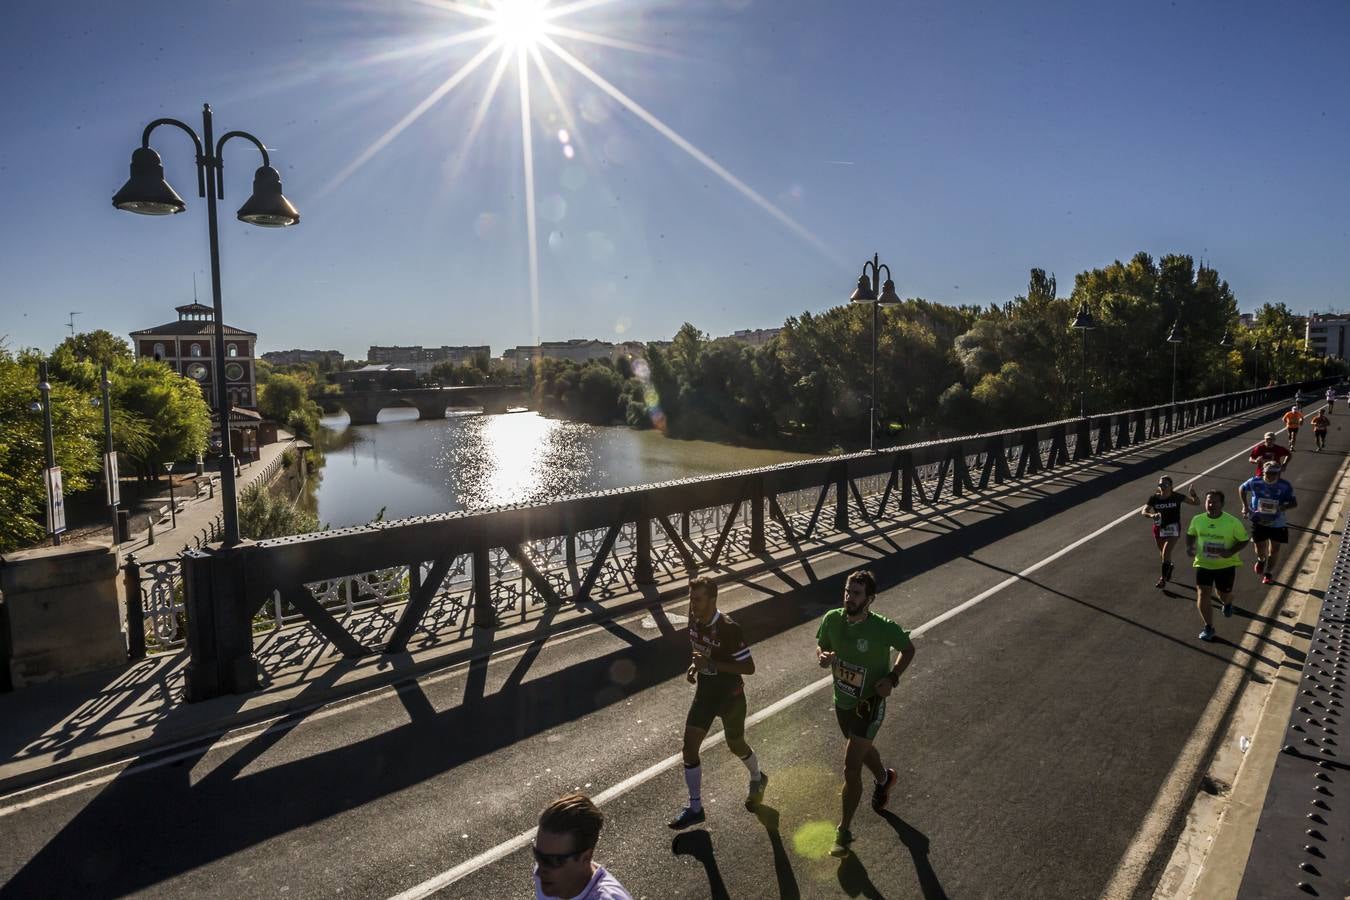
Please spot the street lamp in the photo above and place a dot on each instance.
(873, 292)
(1174, 338)
(1084, 323)
(44, 406)
(147, 193)
(1225, 344)
(173, 507)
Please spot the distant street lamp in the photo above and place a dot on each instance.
(1174, 338)
(110, 475)
(147, 193)
(1084, 323)
(1225, 344)
(44, 406)
(873, 292)
(173, 506)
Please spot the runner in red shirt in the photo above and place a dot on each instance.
(1268, 450)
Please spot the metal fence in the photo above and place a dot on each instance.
(391, 586)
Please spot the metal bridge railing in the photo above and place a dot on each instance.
(391, 586)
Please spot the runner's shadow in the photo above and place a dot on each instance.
(698, 844)
(917, 844)
(782, 864)
(855, 881)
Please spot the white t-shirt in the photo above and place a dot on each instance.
(602, 886)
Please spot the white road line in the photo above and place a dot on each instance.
(488, 857)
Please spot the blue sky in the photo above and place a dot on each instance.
(965, 141)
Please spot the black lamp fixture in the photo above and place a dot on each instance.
(1084, 323)
(148, 194)
(866, 292)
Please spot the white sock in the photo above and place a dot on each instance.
(752, 763)
(693, 777)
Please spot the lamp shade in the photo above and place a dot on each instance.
(1226, 340)
(268, 207)
(146, 192)
(863, 292)
(1084, 319)
(1174, 336)
(888, 294)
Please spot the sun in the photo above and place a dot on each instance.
(519, 23)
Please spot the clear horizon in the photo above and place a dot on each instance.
(724, 162)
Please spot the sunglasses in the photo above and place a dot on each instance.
(553, 860)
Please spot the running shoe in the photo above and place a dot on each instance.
(1161, 582)
(1266, 579)
(686, 818)
(1259, 566)
(755, 796)
(842, 839)
(1207, 633)
(881, 794)
(1228, 609)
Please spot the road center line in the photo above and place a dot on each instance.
(488, 857)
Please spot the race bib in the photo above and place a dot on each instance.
(849, 677)
(1215, 550)
(1267, 507)
(1169, 530)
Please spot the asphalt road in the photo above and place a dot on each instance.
(1032, 734)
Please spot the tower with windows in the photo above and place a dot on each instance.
(187, 345)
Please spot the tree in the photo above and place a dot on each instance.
(171, 406)
(76, 426)
(286, 399)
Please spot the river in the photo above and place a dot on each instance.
(409, 468)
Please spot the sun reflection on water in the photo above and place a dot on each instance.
(518, 458)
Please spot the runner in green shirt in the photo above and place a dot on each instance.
(1215, 539)
(855, 644)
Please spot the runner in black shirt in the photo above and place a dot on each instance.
(1164, 508)
(721, 657)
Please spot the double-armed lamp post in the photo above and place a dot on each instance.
(1174, 338)
(147, 193)
(1083, 323)
(1225, 345)
(871, 290)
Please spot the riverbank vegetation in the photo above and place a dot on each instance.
(945, 370)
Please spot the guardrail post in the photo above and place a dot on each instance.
(1103, 434)
(484, 616)
(219, 638)
(1082, 445)
(131, 582)
(642, 568)
(841, 496)
(757, 544)
(907, 481)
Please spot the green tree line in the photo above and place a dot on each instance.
(945, 370)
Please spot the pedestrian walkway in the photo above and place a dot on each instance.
(199, 512)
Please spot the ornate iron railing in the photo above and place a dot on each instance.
(389, 586)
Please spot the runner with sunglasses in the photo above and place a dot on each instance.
(1164, 508)
(855, 644)
(563, 847)
(721, 657)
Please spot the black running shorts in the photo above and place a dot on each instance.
(1220, 578)
(1266, 533)
(862, 720)
(714, 701)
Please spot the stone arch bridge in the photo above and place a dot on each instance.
(431, 403)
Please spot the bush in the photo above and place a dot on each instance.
(262, 516)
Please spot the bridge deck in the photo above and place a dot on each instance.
(1033, 735)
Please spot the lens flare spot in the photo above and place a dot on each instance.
(814, 839)
(568, 151)
(563, 136)
(485, 225)
(555, 241)
(553, 208)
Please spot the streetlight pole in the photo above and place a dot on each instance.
(45, 390)
(109, 460)
(173, 506)
(1225, 344)
(871, 290)
(147, 193)
(1084, 323)
(1174, 338)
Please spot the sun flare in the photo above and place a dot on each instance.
(519, 23)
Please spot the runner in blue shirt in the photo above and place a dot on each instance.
(1264, 501)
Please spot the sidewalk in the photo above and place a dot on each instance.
(198, 510)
